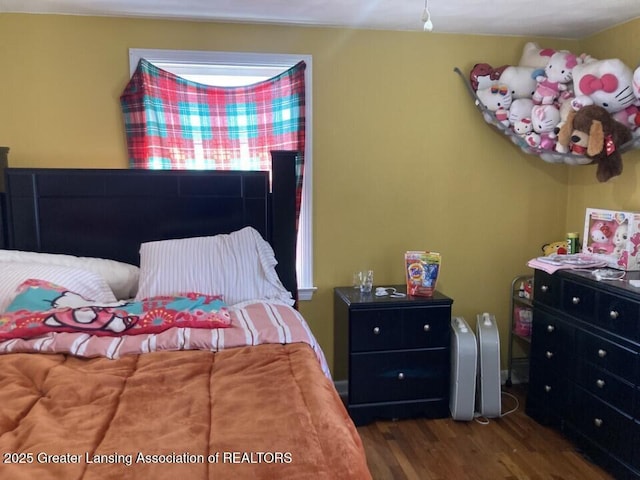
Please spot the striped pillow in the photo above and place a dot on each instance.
(84, 282)
(240, 266)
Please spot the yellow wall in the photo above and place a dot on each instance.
(402, 160)
(619, 193)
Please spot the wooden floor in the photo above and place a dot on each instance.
(512, 447)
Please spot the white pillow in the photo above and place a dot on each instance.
(84, 282)
(240, 266)
(121, 277)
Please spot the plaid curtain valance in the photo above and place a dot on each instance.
(174, 123)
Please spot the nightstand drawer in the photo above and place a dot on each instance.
(402, 328)
(426, 327)
(375, 329)
(394, 376)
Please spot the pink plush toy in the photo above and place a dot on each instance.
(557, 75)
(601, 238)
(545, 119)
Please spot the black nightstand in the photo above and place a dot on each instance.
(394, 352)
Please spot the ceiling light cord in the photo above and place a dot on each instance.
(426, 18)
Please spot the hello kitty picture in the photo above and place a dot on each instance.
(614, 237)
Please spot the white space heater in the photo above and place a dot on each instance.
(464, 356)
(488, 402)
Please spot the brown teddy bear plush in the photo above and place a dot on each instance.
(592, 131)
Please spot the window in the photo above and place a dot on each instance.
(235, 69)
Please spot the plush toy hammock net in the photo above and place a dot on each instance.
(546, 155)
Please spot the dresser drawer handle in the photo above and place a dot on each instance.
(426, 327)
(575, 300)
(548, 354)
(600, 383)
(613, 314)
(550, 328)
(597, 422)
(401, 376)
(544, 288)
(376, 330)
(547, 388)
(602, 353)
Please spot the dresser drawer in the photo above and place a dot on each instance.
(578, 300)
(618, 315)
(607, 355)
(550, 339)
(546, 289)
(603, 424)
(606, 387)
(547, 391)
(394, 376)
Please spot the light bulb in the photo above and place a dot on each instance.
(426, 18)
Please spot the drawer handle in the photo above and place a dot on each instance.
(613, 314)
(376, 330)
(401, 376)
(426, 327)
(550, 328)
(598, 422)
(602, 353)
(600, 383)
(544, 288)
(547, 388)
(575, 300)
(548, 354)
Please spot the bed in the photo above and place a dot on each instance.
(192, 362)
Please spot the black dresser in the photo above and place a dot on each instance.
(394, 352)
(584, 366)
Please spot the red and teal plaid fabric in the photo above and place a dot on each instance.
(174, 123)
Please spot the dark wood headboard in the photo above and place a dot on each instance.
(108, 213)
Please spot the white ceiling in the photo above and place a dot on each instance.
(555, 18)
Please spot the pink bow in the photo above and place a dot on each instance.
(590, 83)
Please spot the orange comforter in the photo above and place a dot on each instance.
(258, 412)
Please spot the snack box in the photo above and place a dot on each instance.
(422, 269)
(614, 237)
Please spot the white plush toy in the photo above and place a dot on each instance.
(534, 56)
(545, 119)
(520, 108)
(558, 73)
(496, 99)
(608, 84)
(520, 80)
(636, 91)
(522, 127)
(620, 239)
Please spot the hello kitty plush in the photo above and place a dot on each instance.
(635, 118)
(523, 127)
(601, 235)
(608, 84)
(558, 73)
(520, 108)
(545, 118)
(520, 80)
(496, 98)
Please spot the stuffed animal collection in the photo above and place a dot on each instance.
(548, 90)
